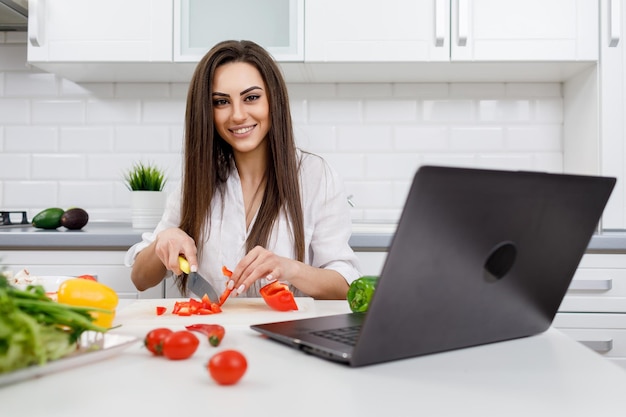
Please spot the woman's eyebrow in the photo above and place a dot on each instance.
(247, 90)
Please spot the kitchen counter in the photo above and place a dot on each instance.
(367, 236)
(544, 375)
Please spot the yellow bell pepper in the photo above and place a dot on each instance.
(88, 293)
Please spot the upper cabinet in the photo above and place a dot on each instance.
(457, 30)
(100, 31)
(277, 25)
(381, 31)
(319, 40)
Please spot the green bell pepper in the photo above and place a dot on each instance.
(360, 293)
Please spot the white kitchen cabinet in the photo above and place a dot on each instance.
(112, 40)
(107, 266)
(375, 31)
(320, 40)
(594, 308)
(277, 25)
(612, 86)
(100, 31)
(451, 30)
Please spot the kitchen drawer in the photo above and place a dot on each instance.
(603, 333)
(599, 285)
(108, 266)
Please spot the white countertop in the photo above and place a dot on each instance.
(545, 375)
(367, 235)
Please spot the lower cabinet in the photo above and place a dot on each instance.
(107, 266)
(593, 311)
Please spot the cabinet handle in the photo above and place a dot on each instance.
(615, 22)
(462, 22)
(440, 22)
(35, 22)
(591, 284)
(601, 346)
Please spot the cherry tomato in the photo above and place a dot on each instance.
(180, 345)
(227, 367)
(154, 340)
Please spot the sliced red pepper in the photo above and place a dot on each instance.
(196, 307)
(160, 310)
(214, 332)
(227, 272)
(278, 296)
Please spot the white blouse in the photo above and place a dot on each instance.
(327, 227)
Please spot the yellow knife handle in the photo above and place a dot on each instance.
(183, 264)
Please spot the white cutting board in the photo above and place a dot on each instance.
(236, 311)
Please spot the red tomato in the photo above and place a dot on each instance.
(180, 345)
(278, 296)
(154, 340)
(227, 367)
(87, 276)
(160, 310)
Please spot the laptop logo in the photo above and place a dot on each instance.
(500, 261)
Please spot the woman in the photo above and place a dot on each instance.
(249, 199)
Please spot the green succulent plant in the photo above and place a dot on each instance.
(145, 177)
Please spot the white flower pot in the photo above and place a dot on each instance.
(147, 208)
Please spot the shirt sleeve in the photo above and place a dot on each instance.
(328, 219)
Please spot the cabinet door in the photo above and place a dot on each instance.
(368, 31)
(277, 25)
(530, 30)
(613, 109)
(100, 31)
(457, 30)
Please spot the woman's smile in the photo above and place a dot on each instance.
(242, 130)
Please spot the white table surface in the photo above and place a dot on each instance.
(544, 375)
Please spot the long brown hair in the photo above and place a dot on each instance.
(208, 158)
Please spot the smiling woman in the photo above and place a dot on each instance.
(249, 199)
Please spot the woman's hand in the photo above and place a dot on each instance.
(172, 242)
(261, 263)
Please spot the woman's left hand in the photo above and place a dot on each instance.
(261, 263)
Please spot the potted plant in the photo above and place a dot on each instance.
(146, 182)
(142, 177)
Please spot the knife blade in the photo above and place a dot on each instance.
(196, 283)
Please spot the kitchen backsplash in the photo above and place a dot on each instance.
(66, 144)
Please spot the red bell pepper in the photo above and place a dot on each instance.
(214, 332)
(278, 296)
(228, 273)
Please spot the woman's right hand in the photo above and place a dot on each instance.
(171, 243)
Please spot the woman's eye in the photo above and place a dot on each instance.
(252, 97)
(220, 102)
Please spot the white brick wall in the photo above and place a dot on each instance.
(64, 144)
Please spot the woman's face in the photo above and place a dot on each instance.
(240, 106)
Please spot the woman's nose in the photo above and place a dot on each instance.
(239, 113)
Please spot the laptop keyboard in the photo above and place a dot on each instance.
(345, 335)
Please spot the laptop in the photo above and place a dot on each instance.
(479, 256)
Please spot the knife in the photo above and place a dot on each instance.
(196, 283)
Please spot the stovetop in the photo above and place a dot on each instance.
(13, 219)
